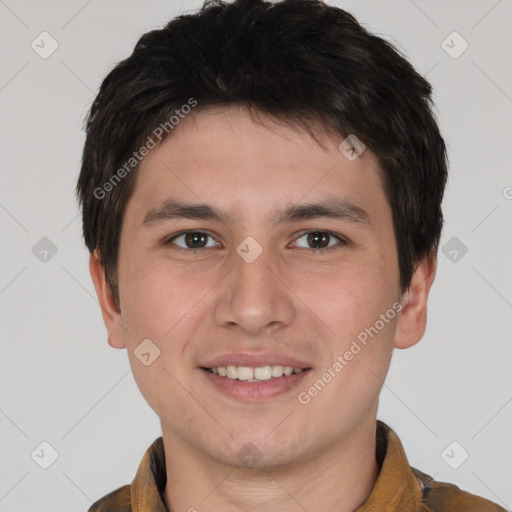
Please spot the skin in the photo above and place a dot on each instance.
(291, 299)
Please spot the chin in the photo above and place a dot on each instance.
(256, 449)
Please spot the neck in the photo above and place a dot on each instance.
(339, 479)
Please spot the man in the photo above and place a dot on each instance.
(261, 189)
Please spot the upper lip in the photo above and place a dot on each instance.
(254, 360)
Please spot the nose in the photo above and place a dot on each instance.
(255, 297)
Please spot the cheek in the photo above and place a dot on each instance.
(155, 297)
(149, 305)
(348, 298)
(165, 305)
(348, 304)
(156, 306)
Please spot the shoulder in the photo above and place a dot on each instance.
(116, 501)
(446, 497)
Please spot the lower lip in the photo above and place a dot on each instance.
(255, 391)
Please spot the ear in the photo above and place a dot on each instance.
(412, 320)
(109, 310)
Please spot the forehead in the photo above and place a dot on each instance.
(246, 165)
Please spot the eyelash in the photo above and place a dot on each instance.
(342, 240)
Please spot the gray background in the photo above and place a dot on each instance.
(59, 380)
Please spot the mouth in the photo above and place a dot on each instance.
(264, 373)
(254, 383)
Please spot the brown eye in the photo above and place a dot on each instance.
(192, 240)
(195, 240)
(320, 240)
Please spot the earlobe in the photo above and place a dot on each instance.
(412, 321)
(109, 310)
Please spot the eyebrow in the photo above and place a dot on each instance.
(335, 208)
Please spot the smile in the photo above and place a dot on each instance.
(254, 374)
(254, 384)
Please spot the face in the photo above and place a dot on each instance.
(254, 276)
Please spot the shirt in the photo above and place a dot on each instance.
(398, 488)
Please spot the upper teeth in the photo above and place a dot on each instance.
(254, 374)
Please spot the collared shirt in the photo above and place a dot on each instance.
(398, 488)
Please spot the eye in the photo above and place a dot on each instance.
(192, 240)
(316, 240)
(320, 239)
